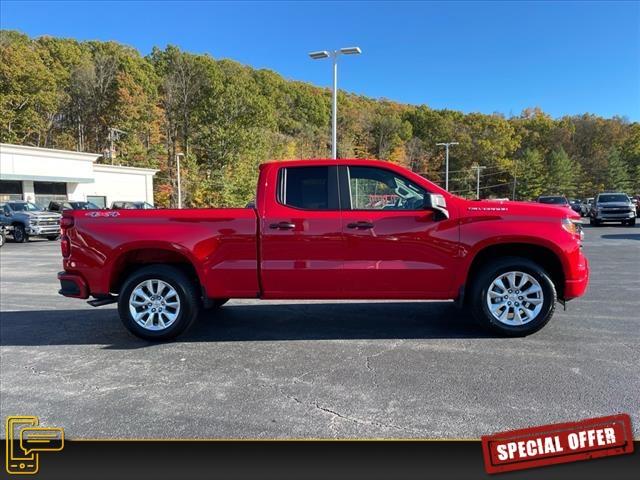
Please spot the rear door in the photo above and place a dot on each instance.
(302, 248)
(394, 248)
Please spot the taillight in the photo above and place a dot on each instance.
(65, 246)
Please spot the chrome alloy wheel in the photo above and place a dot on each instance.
(154, 305)
(515, 298)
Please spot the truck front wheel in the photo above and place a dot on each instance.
(158, 303)
(513, 297)
(19, 234)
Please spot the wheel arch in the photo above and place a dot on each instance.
(544, 256)
(135, 258)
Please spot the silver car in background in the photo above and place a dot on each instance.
(613, 207)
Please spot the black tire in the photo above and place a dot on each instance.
(2, 239)
(594, 222)
(19, 234)
(632, 222)
(480, 286)
(53, 237)
(184, 287)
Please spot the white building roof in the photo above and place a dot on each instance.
(20, 162)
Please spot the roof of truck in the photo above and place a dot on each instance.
(329, 161)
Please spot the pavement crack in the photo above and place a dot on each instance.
(358, 421)
(369, 366)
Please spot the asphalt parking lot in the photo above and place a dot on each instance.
(318, 369)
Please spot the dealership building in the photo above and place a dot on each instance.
(41, 175)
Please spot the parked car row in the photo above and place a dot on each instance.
(605, 207)
(77, 205)
(24, 220)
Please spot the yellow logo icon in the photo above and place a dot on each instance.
(25, 440)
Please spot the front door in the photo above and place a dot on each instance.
(302, 247)
(394, 248)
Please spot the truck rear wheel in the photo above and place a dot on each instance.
(513, 296)
(158, 303)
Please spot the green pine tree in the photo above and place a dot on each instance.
(530, 171)
(635, 177)
(562, 174)
(617, 172)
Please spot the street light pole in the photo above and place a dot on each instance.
(334, 107)
(446, 175)
(178, 155)
(334, 110)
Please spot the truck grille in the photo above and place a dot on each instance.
(46, 221)
(616, 210)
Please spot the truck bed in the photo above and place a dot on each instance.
(220, 244)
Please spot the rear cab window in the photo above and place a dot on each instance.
(308, 188)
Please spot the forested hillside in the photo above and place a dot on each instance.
(227, 118)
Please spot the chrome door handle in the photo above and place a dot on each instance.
(360, 225)
(282, 226)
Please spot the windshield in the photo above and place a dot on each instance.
(553, 200)
(24, 207)
(613, 197)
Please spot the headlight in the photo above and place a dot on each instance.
(574, 227)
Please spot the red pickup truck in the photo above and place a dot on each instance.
(327, 229)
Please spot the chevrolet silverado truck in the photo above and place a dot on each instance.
(328, 229)
(29, 220)
(613, 207)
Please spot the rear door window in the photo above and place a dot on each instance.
(308, 188)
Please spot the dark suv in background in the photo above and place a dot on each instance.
(132, 206)
(71, 205)
(559, 200)
(613, 207)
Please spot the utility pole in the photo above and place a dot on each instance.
(114, 134)
(334, 104)
(478, 168)
(446, 175)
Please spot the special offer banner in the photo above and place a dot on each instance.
(558, 443)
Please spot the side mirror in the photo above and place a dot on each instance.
(437, 203)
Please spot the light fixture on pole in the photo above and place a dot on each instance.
(334, 106)
(178, 156)
(446, 175)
